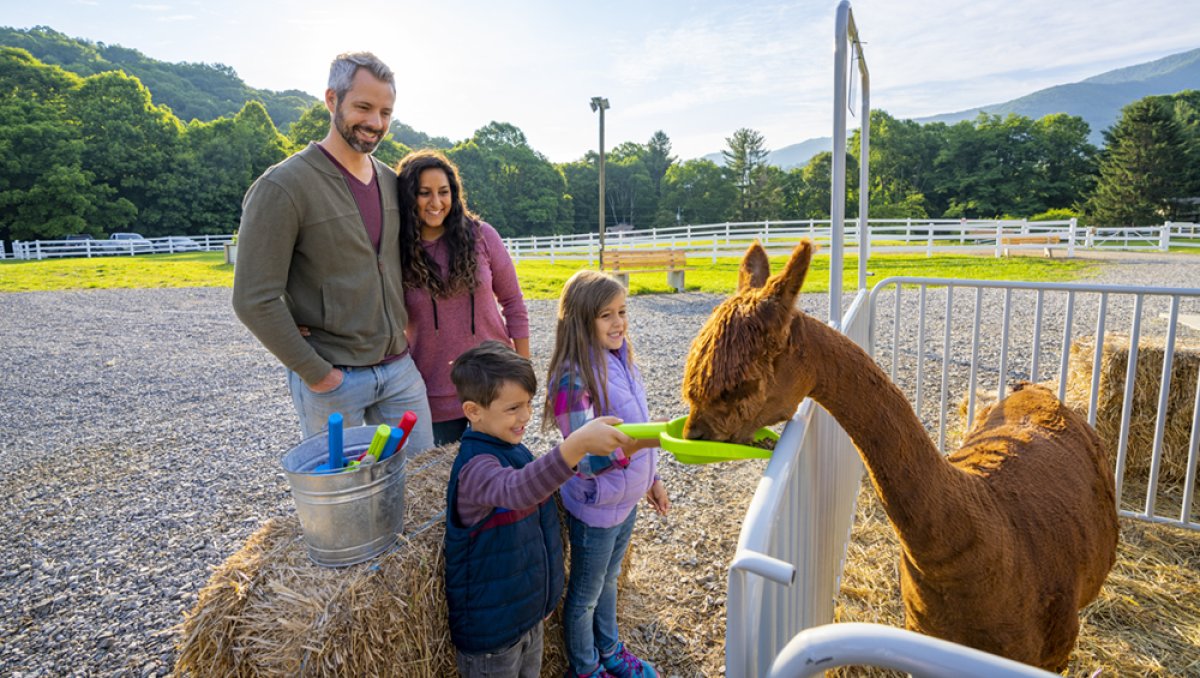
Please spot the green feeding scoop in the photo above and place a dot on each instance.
(670, 438)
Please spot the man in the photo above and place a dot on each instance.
(319, 249)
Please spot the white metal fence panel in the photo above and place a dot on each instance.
(968, 341)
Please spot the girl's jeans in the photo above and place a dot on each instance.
(590, 611)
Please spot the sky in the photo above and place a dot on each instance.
(696, 70)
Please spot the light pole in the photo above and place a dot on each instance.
(601, 104)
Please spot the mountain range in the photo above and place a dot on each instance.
(1098, 100)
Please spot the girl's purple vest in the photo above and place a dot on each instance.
(606, 499)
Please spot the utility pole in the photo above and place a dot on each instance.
(601, 104)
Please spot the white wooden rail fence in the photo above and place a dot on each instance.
(928, 236)
(53, 249)
(728, 239)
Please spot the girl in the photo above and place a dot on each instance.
(592, 373)
(455, 270)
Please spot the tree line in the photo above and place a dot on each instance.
(191, 90)
(94, 154)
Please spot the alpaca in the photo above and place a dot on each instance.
(1002, 542)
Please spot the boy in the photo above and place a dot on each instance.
(504, 552)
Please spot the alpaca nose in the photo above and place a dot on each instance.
(694, 429)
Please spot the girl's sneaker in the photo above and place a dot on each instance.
(625, 664)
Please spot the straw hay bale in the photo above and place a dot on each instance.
(268, 610)
(1181, 399)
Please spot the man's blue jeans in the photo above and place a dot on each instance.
(590, 611)
(374, 395)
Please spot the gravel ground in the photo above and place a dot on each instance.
(141, 430)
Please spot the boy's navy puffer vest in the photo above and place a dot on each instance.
(505, 573)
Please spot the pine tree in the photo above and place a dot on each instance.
(658, 159)
(1144, 170)
(744, 159)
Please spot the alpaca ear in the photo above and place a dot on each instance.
(786, 285)
(755, 268)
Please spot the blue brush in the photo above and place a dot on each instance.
(393, 443)
(336, 459)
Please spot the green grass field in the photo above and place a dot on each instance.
(540, 280)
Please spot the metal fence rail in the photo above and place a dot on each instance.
(825, 647)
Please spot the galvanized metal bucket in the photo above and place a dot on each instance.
(351, 516)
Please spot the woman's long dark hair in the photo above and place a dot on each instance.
(462, 230)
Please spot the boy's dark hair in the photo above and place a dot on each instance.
(479, 372)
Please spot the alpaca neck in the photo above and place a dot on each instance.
(920, 490)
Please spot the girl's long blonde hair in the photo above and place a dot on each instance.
(575, 341)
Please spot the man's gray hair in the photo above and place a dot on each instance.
(343, 68)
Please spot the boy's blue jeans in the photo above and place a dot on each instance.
(374, 395)
(590, 611)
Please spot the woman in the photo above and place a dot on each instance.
(456, 270)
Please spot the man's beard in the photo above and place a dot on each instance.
(348, 133)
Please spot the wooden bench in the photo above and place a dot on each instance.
(620, 263)
(1047, 240)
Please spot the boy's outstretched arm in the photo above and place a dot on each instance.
(484, 484)
(596, 437)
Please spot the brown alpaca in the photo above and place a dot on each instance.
(1001, 542)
